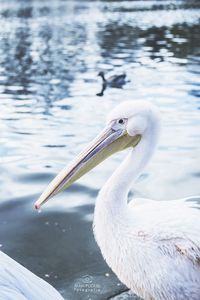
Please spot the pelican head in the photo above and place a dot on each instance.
(125, 126)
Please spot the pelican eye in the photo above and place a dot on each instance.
(121, 121)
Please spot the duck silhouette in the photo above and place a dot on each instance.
(115, 81)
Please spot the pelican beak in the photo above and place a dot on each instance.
(106, 143)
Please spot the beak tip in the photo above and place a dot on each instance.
(37, 206)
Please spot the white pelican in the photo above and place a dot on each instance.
(18, 283)
(152, 246)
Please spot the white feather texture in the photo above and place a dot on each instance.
(18, 283)
(152, 246)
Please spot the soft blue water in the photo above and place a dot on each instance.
(50, 54)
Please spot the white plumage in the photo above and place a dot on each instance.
(18, 283)
(152, 246)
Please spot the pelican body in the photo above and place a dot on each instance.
(152, 246)
(18, 283)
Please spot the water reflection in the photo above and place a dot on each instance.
(50, 55)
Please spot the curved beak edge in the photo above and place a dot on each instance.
(107, 142)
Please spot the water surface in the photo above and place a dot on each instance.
(50, 54)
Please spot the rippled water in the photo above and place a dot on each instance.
(50, 54)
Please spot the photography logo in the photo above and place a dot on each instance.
(87, 284)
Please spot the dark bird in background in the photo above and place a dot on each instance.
(115, 81)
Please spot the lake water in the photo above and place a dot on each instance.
(50, 55)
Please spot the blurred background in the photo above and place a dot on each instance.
(50, 55)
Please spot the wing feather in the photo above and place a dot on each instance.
(174, 225)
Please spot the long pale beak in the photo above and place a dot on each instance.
(107, 142)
